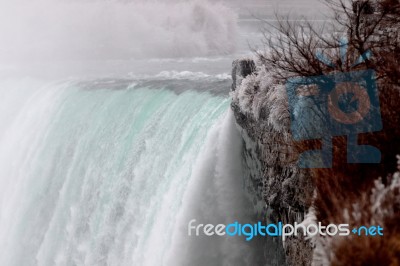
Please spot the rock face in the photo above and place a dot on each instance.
(241, 69)
(273, 179)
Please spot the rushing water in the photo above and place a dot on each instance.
(111, 172)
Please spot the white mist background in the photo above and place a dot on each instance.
(54, 30)
(48, 30)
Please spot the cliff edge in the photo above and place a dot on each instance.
(273, 177)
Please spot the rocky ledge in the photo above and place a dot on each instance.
(272, 176)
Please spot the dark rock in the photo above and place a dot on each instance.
(241, 68)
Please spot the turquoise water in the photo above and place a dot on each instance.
(99, 176)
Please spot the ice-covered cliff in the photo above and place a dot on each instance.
(355, 194)
(261, 113)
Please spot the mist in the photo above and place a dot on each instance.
(47, 30)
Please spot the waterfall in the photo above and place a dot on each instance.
(97, 176)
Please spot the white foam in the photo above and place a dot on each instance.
(190, 75)
(215, 194)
